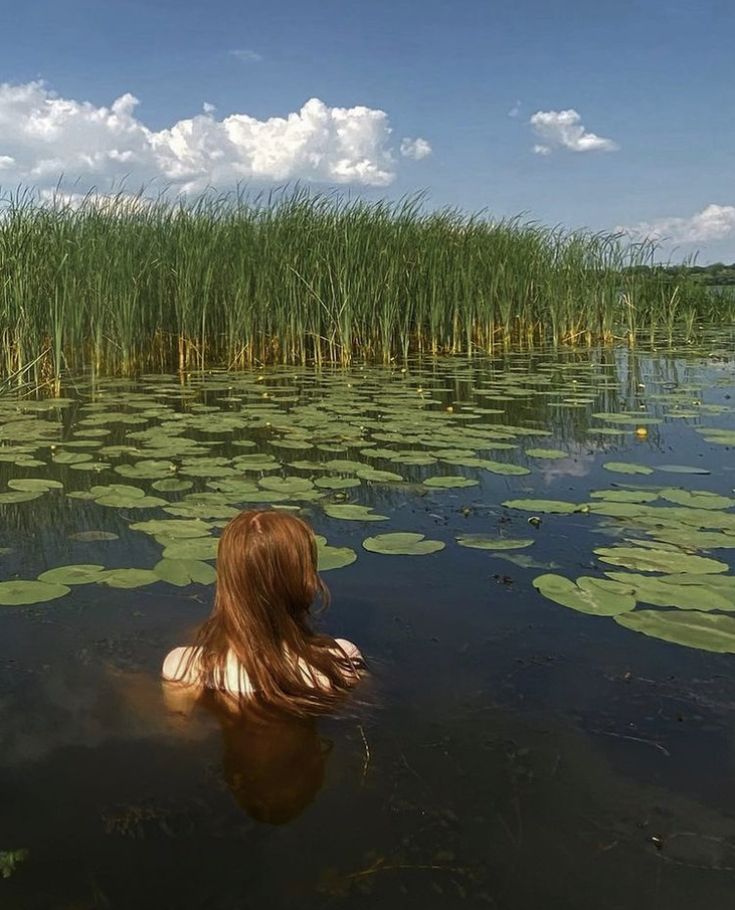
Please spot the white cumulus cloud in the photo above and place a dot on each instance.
(714, 222)
(43, 136)
(415, 148)
(564, 129)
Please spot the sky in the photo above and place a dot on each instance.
(604, 116)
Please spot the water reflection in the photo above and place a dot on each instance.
(274, 764)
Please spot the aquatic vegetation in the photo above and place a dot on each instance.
(301, 277)
(589, 595)
(402, 543)
(706, 631)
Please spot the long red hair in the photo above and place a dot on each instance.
(267, 585)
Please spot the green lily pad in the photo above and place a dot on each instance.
(350, 512)
(178, 529)
(93, 536)
(183, 572)
(128, 578)
(703, 631)
(286, 485)
(659, 560)
(333, 557)
(680, 469)
(73, 575)
(401, 543)
(596, 596)
(146, 469)
(451, 482)
(20, 592)
(670, 593)
(71, 457)
(336, 483)
(172, 485)
(546, 453)
(551, 506)
(197, 548)
(17, 496)
(376, 476)
(626, 467)
(34, 485)
(482, 542)
(697, 499)
(633, 496)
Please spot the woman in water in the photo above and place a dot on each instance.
(258, 645)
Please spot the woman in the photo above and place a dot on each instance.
(258, 644)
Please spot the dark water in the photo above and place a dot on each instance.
(507, 752)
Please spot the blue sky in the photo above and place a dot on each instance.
(652, 81)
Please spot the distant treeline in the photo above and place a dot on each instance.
(715, 275)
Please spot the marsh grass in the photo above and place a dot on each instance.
(122, 284)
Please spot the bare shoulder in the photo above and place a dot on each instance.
(350, 649)
(180, 664)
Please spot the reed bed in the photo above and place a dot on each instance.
(120, 285)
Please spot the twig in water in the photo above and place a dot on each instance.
(365, 743)
(634, 739)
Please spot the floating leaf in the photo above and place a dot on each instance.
(172, 485)
(680, 469)
(128, 578)
(697, 499)
(669, 592)
(200, 548)
(20, 592)
(703, 631)
(336, 483)
(71, 457)
(34, 485)
(93, 536)
(17, 496)
(546, 453)
(451, 482)
(287, 485)
(659, 560)
(625, 467)
(376, 476)
(595, 596)
(182, 572)
(333, 557)
(482, 542)
(350, 512)
(552, 506)
(73, 575)
(170, 527)
(402, 543)
(633, 496)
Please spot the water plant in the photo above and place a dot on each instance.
(124, 285)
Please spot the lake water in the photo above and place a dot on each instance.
(508, 751)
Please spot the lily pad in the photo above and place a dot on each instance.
(178, 529)
(551, 506)
(596, 596)
(626, 467)
(333, 557)
(128, 578)
(669, 592)
(18, 496)
(73, 575)
(546, 453)
(703, 631)
(482, 542)
(680, 469)
(287, 485)
(93, 536)
(651, 560)
(20, 592)
(197, 548)
(451, 482)
(350, 512)
(696, 499)
(172, 485)
(401, 543)
(183, 572)
(34, 485)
